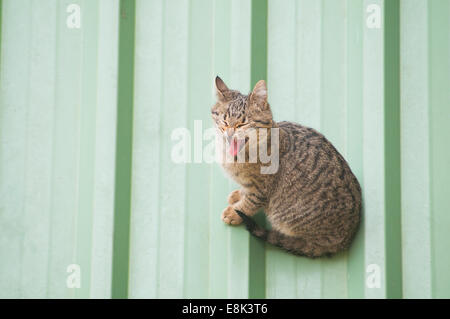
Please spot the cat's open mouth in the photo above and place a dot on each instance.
(235, 145)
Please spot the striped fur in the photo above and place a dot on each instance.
(313, 201)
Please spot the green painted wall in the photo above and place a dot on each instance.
(179, 246)
(86, 117)
(425, 109)
(328, 70)
(57, 131)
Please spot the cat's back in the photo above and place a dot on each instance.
(315, 180)
(310, 156)
(303, 145)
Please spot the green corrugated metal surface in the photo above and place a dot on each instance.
(179, 245)
(425, 154)
(380, 95)
(328, 70)
(57, 122)
(124, 149)
(308, 72)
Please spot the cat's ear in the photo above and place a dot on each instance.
(221, 88)
(258, 96)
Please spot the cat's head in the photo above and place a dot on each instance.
(235, 113)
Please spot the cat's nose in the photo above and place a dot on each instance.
(229, 134)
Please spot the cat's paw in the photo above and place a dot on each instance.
(234, 197)
(230, 217)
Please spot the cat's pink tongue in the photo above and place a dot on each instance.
(234, 147)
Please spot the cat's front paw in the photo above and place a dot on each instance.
(230, 217)
(234, 197)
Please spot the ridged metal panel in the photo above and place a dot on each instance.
(57, 122)
(325, 69)
(329, 71)
(315, 77)
(179, 245)
(425, 113)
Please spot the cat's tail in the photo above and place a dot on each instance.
(294, 245)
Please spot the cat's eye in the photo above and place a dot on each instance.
(241, 124)
(223, 126)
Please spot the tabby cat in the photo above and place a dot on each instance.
(313, 200)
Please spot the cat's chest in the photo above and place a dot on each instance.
(241, 173)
